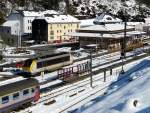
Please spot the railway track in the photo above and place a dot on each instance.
(73, 87)
(55, 94)
(83, 83)
(124, 80)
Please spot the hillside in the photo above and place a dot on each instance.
(76, 7)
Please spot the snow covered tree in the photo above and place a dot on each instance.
(147, 2)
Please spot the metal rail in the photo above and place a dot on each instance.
(124, 78)
(95, 72)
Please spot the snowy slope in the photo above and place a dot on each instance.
(130, 97)
(92, 7)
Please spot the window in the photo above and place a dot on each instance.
(64, 27)
(77, 26)
(32, 90)
(51, 27)
(5, 99)
(25, 92)
(51, 32)
(108, 18)
(15, 96)
(52, 37)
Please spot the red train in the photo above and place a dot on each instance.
(18, 94)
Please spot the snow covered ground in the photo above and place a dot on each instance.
(130, 95)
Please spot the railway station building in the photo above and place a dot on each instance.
(109, 36)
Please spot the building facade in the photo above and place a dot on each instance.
(54, 28)
(21, 21)
(109, 37)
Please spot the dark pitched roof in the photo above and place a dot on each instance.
(17, 86)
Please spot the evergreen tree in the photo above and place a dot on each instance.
(2, 20)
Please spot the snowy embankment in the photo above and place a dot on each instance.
(129, 97)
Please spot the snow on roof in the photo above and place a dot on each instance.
(134, 23)
(106, 18)
(61, 19)
(99, 35)
(5, 82)
(38, 13)
(86, 22)
(11, 23)
(106, 27)
(64, 49)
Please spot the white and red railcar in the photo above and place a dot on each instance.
(18, 94)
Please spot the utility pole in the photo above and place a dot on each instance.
(91, 74)
(123, 45)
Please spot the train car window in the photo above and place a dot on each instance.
(52, 61)
(39, 65)
(5, 99)
(15, 96)
(25, 92)
(32, 90)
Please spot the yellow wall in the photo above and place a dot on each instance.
(60, 30)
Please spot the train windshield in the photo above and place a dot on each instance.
(27, 63)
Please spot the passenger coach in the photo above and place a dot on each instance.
(18, 94)
(48, 62)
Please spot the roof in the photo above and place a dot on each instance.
(86, 22)
(134, 23)
(37, 13)
(112, 36)
(106, 18)
(60, 19)
(17, 86)
(106, 27)
(11, 23)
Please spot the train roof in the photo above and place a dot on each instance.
(47, 55)
(17, 86)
